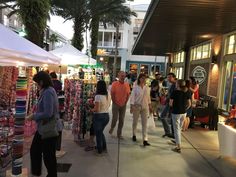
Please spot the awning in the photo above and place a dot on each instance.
(173, 25)
(15, 49)
(71, 56)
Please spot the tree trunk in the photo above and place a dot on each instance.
(78, 40)
(34, 16)
(116, 53)
(94, 36)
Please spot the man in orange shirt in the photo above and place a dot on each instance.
(120, 92)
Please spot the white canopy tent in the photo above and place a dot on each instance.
(71, 56)
(15, 50)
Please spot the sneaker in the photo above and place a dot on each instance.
(145, 143)
(134, 138)
(176, 149)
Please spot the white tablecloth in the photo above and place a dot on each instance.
(227, 140)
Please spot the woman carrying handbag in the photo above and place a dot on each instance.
(44, 141)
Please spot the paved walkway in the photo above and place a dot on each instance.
(199, 157)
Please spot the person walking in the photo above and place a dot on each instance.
(101, 116)
(140, 104)
(194, 88)
(186, 121)
(180, 102)
(120, 92)
(155, 99)
(57, 85)
(46, 113)
(166, 111)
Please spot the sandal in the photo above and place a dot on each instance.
(89, 148)
(178, 150)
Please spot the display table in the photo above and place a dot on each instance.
(227, 140)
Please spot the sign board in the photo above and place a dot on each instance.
(199, 73)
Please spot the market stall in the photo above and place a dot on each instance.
(16, 55)
(71, 56)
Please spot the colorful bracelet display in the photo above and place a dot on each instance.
(18, 140)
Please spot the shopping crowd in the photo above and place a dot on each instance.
(170, 100)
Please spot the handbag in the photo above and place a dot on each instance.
(49, 128)
(151, 123)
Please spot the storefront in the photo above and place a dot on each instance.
(200, 63)
(148, 68)
(178, 64)
(228, 80)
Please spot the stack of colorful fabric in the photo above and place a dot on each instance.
(18, 140)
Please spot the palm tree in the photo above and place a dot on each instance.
(34, 15)
(117, 17)
(97, 9)
(73, 10)
(53, 39)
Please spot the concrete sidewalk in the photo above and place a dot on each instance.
(199, 157)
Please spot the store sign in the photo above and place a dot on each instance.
(199, 73)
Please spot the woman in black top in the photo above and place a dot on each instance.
(180, 101)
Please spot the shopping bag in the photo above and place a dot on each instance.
(151, 123)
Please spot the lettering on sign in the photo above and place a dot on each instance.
(199, 73)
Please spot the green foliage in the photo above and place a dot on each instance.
(75, 10)
(97, 9)
(34, 15)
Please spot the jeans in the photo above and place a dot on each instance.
(45, 148)
(164, 119)
(177, 124)
(100, 120)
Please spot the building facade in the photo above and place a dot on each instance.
(14, 23)
(127, 35)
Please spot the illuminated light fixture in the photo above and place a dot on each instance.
(20, 63)
(206, 36)
(101, 58)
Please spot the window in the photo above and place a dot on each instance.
(100, 36)
(201, 52)
(108, 39)
(119, 40)
(179, 72)
(230, 44)
(138, 22)
(5, 20)
(229, 86)
(144, 69)
(179, 57)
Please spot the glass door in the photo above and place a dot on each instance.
(228, 95)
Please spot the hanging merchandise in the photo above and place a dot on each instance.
(6, 134)
(87, 96)
(18, 140)
(30, 125)
(78, 95)
(8, 76)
